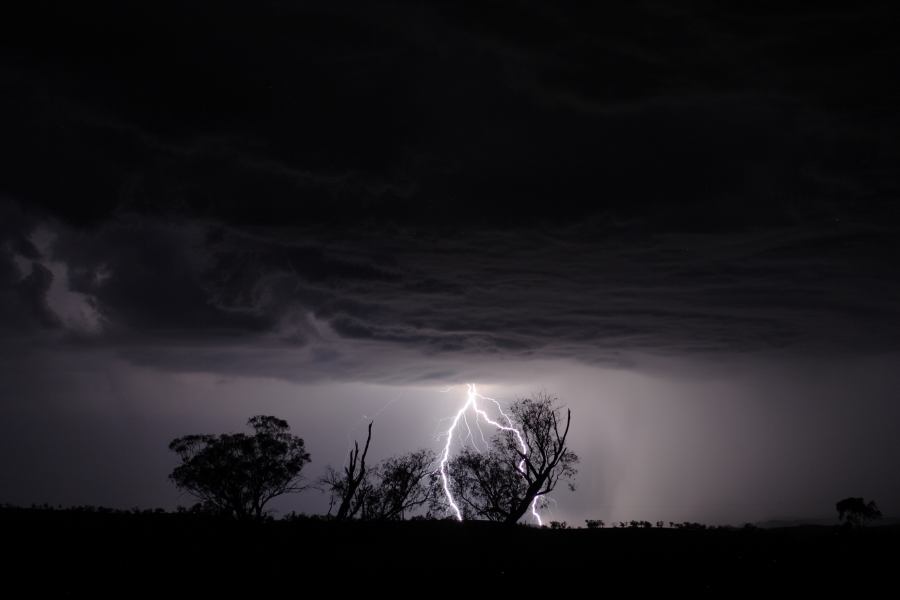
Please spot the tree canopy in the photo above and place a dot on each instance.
(856, 511)
(237, 474)
(402, 484)
(502, 483)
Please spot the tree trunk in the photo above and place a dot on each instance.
(522, 507)
(354, 479)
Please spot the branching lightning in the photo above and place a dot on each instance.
(471, 406)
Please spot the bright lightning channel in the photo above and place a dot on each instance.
(472, 397)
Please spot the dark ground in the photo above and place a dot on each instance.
(124, 554)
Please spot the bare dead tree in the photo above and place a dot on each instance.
(350, 488)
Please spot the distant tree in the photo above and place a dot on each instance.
(559, 525)
(595, 523)
(501, 483)
(400, 485)
(349, 489)
(237, 474)
(857, 512)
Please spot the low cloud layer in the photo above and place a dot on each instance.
(305, 303)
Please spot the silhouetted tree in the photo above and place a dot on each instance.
(501, 483)
(238, 474)
(594, 523)
(401, 484)
(391, 490)
(690, 525)
(856, 511)
(349, 489)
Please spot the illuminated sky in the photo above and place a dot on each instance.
(681, 222)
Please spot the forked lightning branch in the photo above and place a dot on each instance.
(471, 407)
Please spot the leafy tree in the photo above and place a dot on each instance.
(856, 511)
(238, 474)
(402, 484)
(501, 483)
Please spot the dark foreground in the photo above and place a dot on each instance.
(164, 554)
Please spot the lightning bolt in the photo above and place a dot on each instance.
(471, 405)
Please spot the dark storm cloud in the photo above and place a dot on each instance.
(305, 303)
(453, 113)
(528, 179)
(24, 283)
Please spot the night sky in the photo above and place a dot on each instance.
(681, 218)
